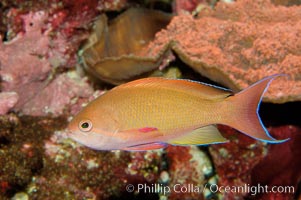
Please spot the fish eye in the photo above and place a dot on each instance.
(85, 125)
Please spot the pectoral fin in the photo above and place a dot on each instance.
(145, 147)
(200, 136)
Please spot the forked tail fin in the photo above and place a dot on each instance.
(243, 110)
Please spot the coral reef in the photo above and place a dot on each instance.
(236, 45)
(39, 164)
(21, 149)
(43, 39)
(68, 89)
(235, 160)
(65, 16)
(288, 170)
(244, 161)
(49, 165)
(32, 68)
(79, 173)
(187, 166)
(24, 71)
(233, 44)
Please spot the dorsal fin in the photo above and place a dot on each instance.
(203, 89)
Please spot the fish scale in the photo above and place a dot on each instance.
(162, 108)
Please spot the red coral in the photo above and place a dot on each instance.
(281, 166)
(181, 6)
(186, 167)
(245, 161)
(65, 15)
(4, 186)
(235, 160)
(141, 165)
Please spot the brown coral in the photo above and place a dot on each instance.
(112, 52)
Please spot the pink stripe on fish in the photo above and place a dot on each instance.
(147, 129)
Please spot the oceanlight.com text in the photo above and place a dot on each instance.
(251, 189)
(213, 188)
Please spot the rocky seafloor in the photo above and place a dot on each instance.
(46, 59)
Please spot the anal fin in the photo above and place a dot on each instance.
(204, 135)
(145, 147)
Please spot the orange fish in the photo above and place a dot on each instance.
(150, 113)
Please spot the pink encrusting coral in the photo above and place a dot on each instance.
(67, 89)
(7, 101)
(43, 42)
(28, 66)
(24, 64)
